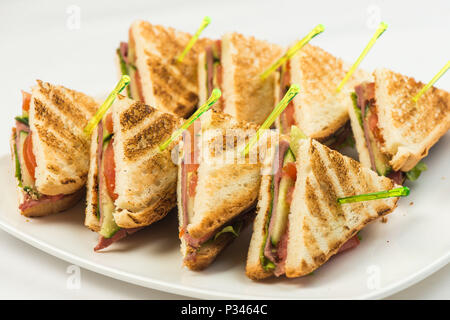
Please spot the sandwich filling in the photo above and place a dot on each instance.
(273, 252)
(342, 137)
(127, 60)
(109, 232)
(25, 161)
(364, 104)
(214, 70)
(189, 179)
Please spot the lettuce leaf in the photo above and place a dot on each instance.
(22, 119)
(232, 229)
(415, 172)
(357, 110)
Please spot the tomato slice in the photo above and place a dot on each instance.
(26, 98)
(28, 155)
(290, 170)
(109, 123)
(109, 170)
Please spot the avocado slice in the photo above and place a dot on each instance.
(26, 178)
(282, 206)
(109, 226)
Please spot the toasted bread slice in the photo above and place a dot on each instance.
(224, 188)
(46, 207)
(167, 84)
(409, 129)
(91, 220)
(246, 96)
(57, 117)
(318, 225)
(319, 110)
(145, 177)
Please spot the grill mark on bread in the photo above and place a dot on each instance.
(49, 119)
(180, 97)
(313, 203)
(63, 104)
(57, 145)
(134, 115)
(53, 168)
(326, 184)
(171, 87)
(338, 165)
(149, 137)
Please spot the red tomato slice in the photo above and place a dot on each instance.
(290, 170)
(26, 98)
(109, 123)
(28, 155)
(109, 170)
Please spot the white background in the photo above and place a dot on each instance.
(39, 42)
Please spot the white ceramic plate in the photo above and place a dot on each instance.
(414, 243)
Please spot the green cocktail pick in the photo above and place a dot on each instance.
(382, 27)
(396, 192)
(293, 50)
(123, 82)
(290, 94)
(215, 95)
(432, 81)
(205, 22)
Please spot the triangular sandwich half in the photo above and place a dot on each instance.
(50, 150)
(392, 132)
(299, 223)
(318, 110)
(157, 78)
(131, 183)
(216, 196)
(234, 64)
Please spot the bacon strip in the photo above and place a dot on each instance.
(30, 202)
(351, 243)
(124, 51)
(119, 235)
